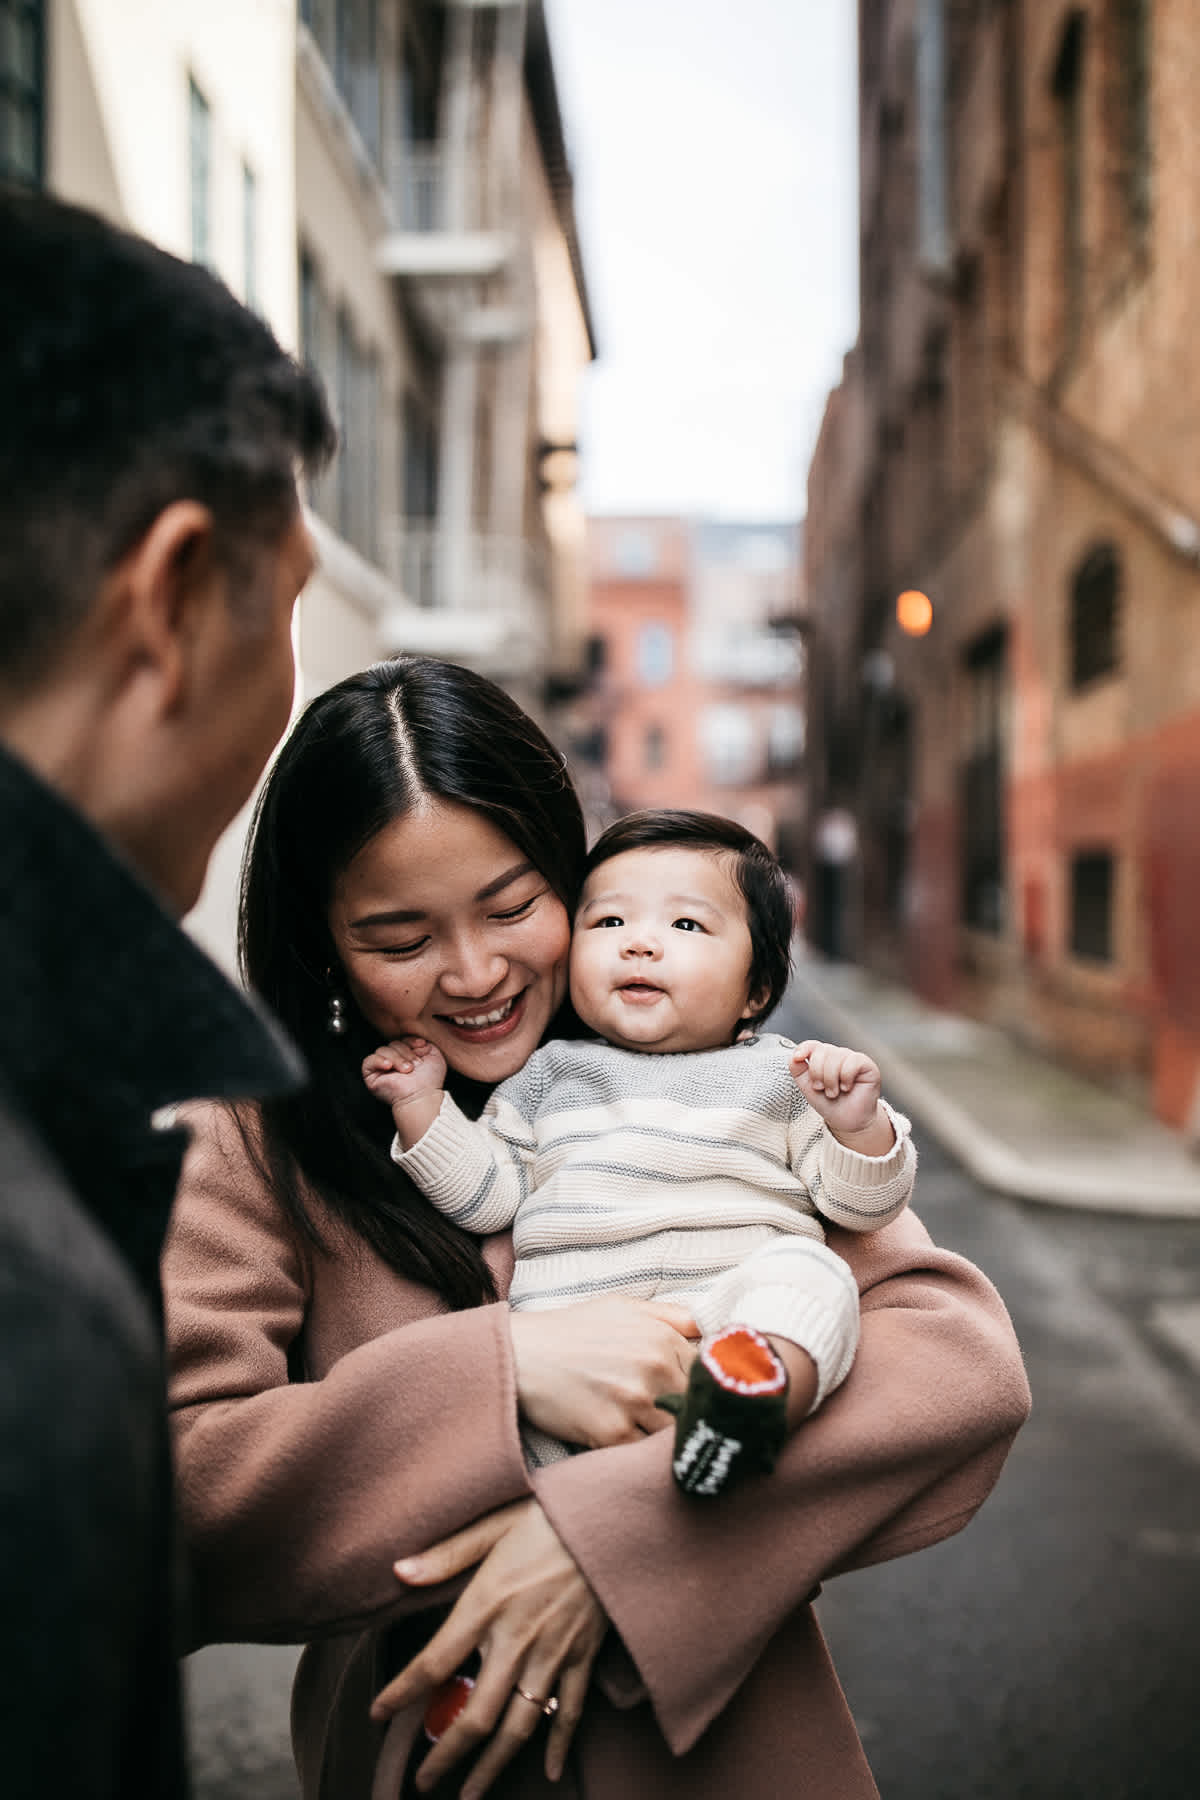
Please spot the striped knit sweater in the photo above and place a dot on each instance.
(699, 1176)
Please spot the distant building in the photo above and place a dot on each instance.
(1013, 436)
(387, 182)
(693, 695)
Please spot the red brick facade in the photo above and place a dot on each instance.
(1023, 404)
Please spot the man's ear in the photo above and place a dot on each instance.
(166, 583)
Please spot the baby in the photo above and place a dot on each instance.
(678, 1154)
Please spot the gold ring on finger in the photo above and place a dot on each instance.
(549, 1707)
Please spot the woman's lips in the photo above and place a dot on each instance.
(482, 1026)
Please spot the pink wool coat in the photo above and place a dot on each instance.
(399, 1425)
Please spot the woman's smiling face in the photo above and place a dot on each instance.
(446, 931)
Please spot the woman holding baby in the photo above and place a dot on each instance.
(350, 1389)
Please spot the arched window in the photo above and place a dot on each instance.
(1095, 616)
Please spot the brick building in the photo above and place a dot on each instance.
(1012, 436)
(693, 694)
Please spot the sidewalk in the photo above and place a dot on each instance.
(1020, 1123)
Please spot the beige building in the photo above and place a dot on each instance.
(386, 181)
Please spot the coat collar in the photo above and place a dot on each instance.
(107, 1007)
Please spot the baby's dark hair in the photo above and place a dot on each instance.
(770, 911)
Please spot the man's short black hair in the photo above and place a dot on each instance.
(761, 879)
(128, 380)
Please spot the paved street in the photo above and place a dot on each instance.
(1050, 1651)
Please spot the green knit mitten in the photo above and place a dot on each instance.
(732, 1421)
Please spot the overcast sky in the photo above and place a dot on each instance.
(714, 149)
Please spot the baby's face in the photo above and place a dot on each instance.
(661, 952)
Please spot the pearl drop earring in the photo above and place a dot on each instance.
(337, 1016)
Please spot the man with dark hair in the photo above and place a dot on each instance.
(152, 548)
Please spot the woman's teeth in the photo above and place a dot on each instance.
(478, 1020)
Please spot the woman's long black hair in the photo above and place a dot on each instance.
(360, 756)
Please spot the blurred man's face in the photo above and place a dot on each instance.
(248, 676)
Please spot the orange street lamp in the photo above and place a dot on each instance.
(914, 612)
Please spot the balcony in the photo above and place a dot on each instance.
(479, 597)
(451, 216)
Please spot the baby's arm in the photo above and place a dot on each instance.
(859, 1162)
(843, 1087)
(409, 1075)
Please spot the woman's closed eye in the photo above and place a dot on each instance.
(518, 912)
(403, 949)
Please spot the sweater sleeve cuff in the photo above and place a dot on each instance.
(448, 1163)
(843, 1164)
(819, 1323)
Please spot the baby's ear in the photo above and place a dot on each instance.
(758, 1001)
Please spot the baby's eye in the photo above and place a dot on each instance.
(607, 923)
(686, 925)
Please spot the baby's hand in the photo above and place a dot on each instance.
(404, 1070)
(841, 1085)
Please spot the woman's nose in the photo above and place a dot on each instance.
(473, 967)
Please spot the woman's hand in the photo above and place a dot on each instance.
(591, 1373)
(534, 1621)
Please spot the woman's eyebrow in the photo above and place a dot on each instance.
(410, 916)
(385, 918)
(506, 880)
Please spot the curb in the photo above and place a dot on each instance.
(992, 1163)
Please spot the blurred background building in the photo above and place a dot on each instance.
(693, 662)
(1005, 804)
(386, 181)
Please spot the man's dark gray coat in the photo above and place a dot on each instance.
(108, 1014)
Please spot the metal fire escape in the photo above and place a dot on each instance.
(459, 245)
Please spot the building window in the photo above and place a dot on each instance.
(654, 747)
(591, 746)
(634, 554)
(420, 458)
(595, 654)
(984, 835)
(200, 173)
(22, 91)
(1066, 87)
(728, 742)
(347, 35)
(1095, 616)
(249, 236)
(1130, 127)
(357, 386)
(655, 655)
(1092, 886)
(785, 740)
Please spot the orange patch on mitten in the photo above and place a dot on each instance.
(743, 1356)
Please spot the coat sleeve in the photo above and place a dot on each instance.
(296, 1497)
(900, 1457)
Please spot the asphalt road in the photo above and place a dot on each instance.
(1050, 1651)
